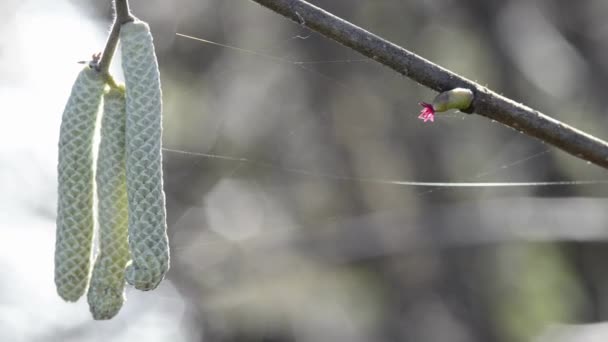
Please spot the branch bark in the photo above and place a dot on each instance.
(486, 102)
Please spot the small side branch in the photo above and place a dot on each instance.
(122, 15)
(486, 102)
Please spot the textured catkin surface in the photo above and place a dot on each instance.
(147, 224)
(106, 291)
(75, 186)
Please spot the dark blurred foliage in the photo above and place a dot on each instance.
(288, 246)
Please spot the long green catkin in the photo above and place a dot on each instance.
(147, 214)
(106, 291)
(75, 186)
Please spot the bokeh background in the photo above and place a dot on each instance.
(284, 222)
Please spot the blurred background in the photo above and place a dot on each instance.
(281, 151)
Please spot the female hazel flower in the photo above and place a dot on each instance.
(427, 113)
(457, 98)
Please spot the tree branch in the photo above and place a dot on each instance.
(122, 15)
(486, 102)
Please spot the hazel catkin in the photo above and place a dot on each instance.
(148, 240)
(106, 291)
(74, 236)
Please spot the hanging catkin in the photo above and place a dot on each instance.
(106, 291)
(147, 224)
(75, 186)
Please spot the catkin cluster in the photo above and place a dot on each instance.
(132, 234)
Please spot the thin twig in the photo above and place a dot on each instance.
(122, 15)
(486, 102)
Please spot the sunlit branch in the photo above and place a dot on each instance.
(122, 15)
(486, 102)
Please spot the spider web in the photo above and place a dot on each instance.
(474, 181)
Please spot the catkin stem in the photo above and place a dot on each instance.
(122, 15)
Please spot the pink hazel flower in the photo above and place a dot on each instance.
(427, 113)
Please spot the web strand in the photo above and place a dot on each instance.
(271, 57)
(298, 64)
(431, 186)
(311, 173)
